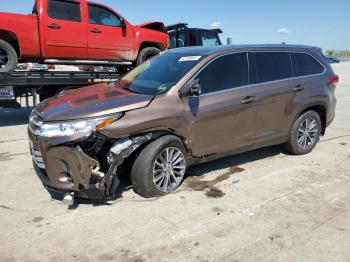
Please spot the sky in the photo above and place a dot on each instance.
(321, 23)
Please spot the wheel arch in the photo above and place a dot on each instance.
(320, 108)
(12, 39)
(146, 44)
(166, 132)
(128, 162)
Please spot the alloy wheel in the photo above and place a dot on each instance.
(169, 169)
(308, 133)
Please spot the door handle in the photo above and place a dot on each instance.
(96, 31)
(298, 88)
(248, 100)
(54, 26)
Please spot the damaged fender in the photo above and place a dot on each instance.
(121, 150)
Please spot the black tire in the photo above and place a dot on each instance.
(293, 145)
(146, 54)
(142, 169)
(11, 60)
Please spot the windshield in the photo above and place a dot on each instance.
(160, 74)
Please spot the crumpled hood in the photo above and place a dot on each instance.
(91, 101)
(157, 26)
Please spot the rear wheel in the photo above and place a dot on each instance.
(305, 133)
(160, 167)
(146, 54)
(8, 57)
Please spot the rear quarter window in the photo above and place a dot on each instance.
(64, 10)
(305, 64)
(271, 66)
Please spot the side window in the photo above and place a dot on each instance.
(209, 39)
(64, 10)
(35, 9)
(226, 72)
(177, 38)
(271, 66)
(102, 16)
(304, 64)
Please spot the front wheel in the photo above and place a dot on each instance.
(146, 54)
(8, 57)
(160, 167)
(305, 133)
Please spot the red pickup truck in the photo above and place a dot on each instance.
(76, 32)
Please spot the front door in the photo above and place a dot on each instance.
(64, 30)
(223, 117)
(108, 39)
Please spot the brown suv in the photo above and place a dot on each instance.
(184, 106)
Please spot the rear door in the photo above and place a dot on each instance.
(107, 39)
(275, 91)
(222, 117)
(64, 30)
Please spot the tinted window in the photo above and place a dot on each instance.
(225, 72)
(177, 38)
(209, 39)
(304, 64)
(64, 10)
(271, 66)
(102, 16)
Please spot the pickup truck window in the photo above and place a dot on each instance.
(177, 38)
(102, 16)
(35, 9)
(64, 10)
(209, 39)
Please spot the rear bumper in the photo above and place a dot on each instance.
(330, 120)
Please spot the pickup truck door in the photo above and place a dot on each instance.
(65, 33)
(108, 39)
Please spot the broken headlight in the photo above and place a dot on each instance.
(81, 127)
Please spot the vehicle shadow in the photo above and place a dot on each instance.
(13, 117)
(235, 160)
(194, 171)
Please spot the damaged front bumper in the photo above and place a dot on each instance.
(84, 167)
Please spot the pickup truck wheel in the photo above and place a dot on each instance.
(160, 167)
(8, 57)
(146, 54)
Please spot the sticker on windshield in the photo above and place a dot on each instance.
(189, 58)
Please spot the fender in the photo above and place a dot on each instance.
(25, 29)
(145, 37)
(316, 103)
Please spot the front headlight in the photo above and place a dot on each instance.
(81, 127)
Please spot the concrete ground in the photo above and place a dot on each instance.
(258, 206)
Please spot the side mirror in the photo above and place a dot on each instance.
(122, 22)
(192, 89)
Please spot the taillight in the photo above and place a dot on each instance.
(333, 79)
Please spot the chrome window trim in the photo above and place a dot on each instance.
(254, 85)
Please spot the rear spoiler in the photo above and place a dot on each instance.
(157, 26)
